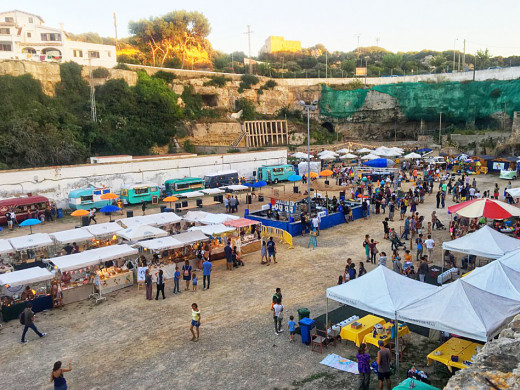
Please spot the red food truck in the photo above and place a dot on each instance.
(23, 207)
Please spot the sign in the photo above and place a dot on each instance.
(498, 166)
(141, 273)
(361, 71)
(284, 206)
(97, 280)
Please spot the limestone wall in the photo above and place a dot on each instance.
(47, 73)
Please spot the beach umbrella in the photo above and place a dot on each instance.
(109, 195)
(260, 184)
(365, 150)
(343, 151)
(514, 192)
(30, 222)
(326, 172)
(313, 175)
(412, 156)
(294, 178)
(109, 209)
(327, 157)
(248, 184)
(170, 199)
(79, 213)
(488, 208)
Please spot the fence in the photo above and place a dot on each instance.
(282, 235)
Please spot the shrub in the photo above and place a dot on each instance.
(248, 80)
(100, 73)
(121, 66)
(188, 146)
(248, 109)
(217, 81)
(166, 76)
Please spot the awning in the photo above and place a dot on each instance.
(25, 276)
(5, 247)
(191, 237)
(92, 257)
(212, 191)
(71, 235)
(103, 229)
(212, 230)
(161, 244)
(242, 222)
(32, 241)
(143, 232)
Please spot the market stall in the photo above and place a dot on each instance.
(82, 237)
(78, 271)
(218, 235)
(6, 253)
(15, 294)
(142, 232)
(104, 233)
(31, 248)
(249, 232)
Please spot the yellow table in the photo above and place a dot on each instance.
(462, 348)
(370, 339)
(357, 335)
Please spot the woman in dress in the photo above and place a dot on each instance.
(148, 283)
(186, 274)
(57, 376)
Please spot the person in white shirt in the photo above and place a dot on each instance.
(430, 244)
(471, 193)
(277, 316)
(316, 225)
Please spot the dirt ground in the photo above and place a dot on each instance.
(129, 342)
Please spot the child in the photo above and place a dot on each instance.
(429, 228)
(195, 321)
(292, 328)
(373, 250)
(176, 279)
(194, 281)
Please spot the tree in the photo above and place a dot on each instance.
(392, 61)
(483, 58)
(174, 34)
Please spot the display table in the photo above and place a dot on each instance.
(116, 282)
(454, 347)
(168, 270)
(252, 246)
(76, 294)
(370, 339)
(357, 335)
(40, 303)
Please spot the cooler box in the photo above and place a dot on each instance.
(303, 312)
(306, 324)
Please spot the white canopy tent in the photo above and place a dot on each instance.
(327, 157)
(331, 152)
(192, 194)
(158, 219)
(71, 235)
(103, 229)
(236, 187)
(412, 155)
(161, 244)
(143, 232)
(514, 192)
(463, 309)
(25, 276)
(364, 150)
(343, 151)
(348, 156)
(31, 241)
(485, 242)
(511, 260)
(370, 157)
(5, 247)
(211, 219)
(496, 278)
(195, 216)
(211, 230)
(301, 156)
(92, 257)
(212, 191)
(191, 237)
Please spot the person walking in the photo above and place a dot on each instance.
(57, 376)
(263, 253)
(419, 243)
(195, 321)
(206, 274)
(228, 251)
(176, 280)
(277, 317)
(430, 245)
(363, 359)
(148, 283)
(186, 274)
(366, 245)
(143, 206)
(92, 216)
(271, 250)
(27, 316)
(160, 285)
(383, 365)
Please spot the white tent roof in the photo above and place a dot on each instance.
(301, 155)
(236, 187)
(31, 241)
(195, 216)
(463, 309)
(142, 232)
(25, 276)
(191, 237)
(348, 156)
(134, 221)
(343, 151)
(71, 235)
(211, 230)
(381, 291)
(211, 191)
(496, 278)
(158, 219)
(192, 194)
(5, 247)
(103, 229)
(485, 242)
(92, 257)
(412, 155)
(161, 244)
(514, 192)
(512, 260)
(211, 219)
(327, 152)
(327, 156)
(364, 150)
(369, 156)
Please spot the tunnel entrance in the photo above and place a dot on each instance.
(329, 126)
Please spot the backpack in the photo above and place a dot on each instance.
(21, 317)
(364, 244)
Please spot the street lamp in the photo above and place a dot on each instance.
(309, 107)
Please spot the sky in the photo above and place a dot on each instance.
(400, 25)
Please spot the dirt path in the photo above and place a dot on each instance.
(128, 342)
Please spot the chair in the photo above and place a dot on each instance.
(317, 341)
(331, 337)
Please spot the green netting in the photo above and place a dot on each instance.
(458, 101)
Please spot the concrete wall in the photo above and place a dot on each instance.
(57, 182)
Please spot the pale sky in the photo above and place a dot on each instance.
(401, 25)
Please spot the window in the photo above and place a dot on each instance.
(140, 191)
(29, 35)
(77, 53)
(5, 31)
(51, 37)
(31, 20)
(93, 54)
(109, 54)
(278, 170)
(9, 19)
(87, 198)
(6, 46)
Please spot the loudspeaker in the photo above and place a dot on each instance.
(327, 182)
(260, 198)
(184, 203)
(296, 189)
(85, 220)
(130, 213)
(199, 203)
(248, 199)
(163, 209)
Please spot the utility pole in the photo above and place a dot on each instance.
(464, 57)
(377, 42)
(358, 36)
(326, 64)
(454, 46)
(440, 128)
(249, 32)
(232, 64)
(115, 28)
(93, 112)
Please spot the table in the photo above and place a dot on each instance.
(462, 348)
(76, 294)
(357, 335)
(119, 281)
(40, 303)
(370, 339)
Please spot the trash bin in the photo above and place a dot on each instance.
(303, 312)
(60, 213)
(306, 324)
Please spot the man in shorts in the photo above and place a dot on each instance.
(195, 321)
(271, 250)
(383, 365)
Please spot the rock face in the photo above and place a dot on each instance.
(47, 73)
(217, 134)
(497, 365)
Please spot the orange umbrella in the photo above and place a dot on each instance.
(109, 195)
(170, 199)
(313, 175)
(80, 213)
(326, 172)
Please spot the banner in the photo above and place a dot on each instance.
(340, 363)
(141, 273)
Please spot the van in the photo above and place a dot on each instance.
(275, 173)
(221, 179)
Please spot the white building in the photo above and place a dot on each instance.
(24, 37)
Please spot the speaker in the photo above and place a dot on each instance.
(221, 198)
(184, 203)
(248, 199)
(85, 220)
(327, 182)
(163, 208)
(177, 206)
(260, 198)
(199, 203)
(296, 189)
(130, 213)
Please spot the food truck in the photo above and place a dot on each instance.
(87, 198)
(140, 192)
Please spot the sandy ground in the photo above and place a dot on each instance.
(128, 342)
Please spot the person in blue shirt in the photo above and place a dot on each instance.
(292, 328)
(176, 279)
(206, 273)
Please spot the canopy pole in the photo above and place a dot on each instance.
(327, 317)
(396, 324)
(443, 264)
